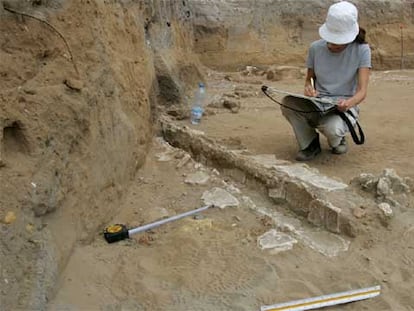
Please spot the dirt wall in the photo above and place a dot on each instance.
(232, 34)
(79, 82)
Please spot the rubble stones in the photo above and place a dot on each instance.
(386, 209)
(184, 160)
(250, 71)
(276, 241)
(228, 101)
(233, 106)
(397, 184)
(179, 112)
(359, 212)
(9, 218)
(197, 178)
(220, 198)
(278, 195)
(284, 72)
(387, 188)
(384, 187)
(366, 182)
(165, 156)
(387, 183)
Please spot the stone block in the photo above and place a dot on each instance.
(298, 197)
(325, 214)
(316, 213)
(278, 195)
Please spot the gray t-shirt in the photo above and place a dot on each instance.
(337, 73)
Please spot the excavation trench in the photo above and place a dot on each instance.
(322, 201)
(255, 252)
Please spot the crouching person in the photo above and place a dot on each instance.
(338, 67)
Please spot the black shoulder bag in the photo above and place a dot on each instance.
(357, 140)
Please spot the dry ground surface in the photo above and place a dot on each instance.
(386, 117)
(213, 262)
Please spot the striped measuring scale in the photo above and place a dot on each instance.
(325, 300)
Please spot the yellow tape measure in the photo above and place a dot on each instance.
(116, 232)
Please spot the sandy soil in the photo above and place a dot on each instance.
(212, 262)
(386, 117)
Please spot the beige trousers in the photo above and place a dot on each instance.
(306, 124)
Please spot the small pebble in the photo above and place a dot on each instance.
(10, 218)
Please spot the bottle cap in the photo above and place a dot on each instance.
(201, 84)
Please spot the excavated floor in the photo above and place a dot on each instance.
(291, 233)
(240, 257)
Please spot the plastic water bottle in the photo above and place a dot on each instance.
(198, 106)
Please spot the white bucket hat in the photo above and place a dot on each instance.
(341, 25)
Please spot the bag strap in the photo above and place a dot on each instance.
(357, 140)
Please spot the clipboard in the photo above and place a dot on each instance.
(306, 104)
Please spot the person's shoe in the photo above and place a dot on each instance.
(341, 148)
(310, 151)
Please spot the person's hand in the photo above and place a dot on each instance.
(310, 91)
(344, 105)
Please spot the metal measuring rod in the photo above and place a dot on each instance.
(119, 232)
